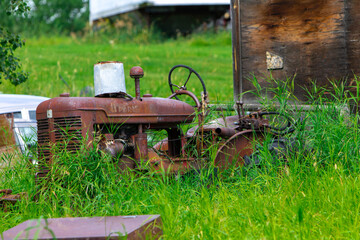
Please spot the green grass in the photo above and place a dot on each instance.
(315, 194)
(73, 59)
(307, 202)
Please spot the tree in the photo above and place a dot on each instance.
(59, 15)
(10, 67)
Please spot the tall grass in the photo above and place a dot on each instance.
(311, 191)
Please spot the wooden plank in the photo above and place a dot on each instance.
(310, 35)
(353, 35)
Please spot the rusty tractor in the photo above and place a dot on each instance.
(120, 123)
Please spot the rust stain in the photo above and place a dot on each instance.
(300, 20)
(7, 137)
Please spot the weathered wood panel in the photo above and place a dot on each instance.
(353, 34)
(317, 39)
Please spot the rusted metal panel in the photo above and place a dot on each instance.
(315, 39)
(133, 227)
(7, 138)
(233, 151)
(8, 198)
(115, 110)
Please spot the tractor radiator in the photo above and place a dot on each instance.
(63, 132)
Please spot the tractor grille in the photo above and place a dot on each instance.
(65, 134)
(68, 132)
(43, 139)
(43, 124)
(67, 122)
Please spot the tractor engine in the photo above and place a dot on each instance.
(115, 121)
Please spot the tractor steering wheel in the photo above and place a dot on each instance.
(183, 87)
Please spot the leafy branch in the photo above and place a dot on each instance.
(10, 67)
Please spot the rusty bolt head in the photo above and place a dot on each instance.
(136, 72)
(6, 191)
(65, 95)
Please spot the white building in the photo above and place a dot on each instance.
(179, 13)
(106, 8)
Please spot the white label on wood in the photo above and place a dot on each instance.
(274, 61)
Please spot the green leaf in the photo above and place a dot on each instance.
(10, 67)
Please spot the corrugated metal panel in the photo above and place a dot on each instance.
(106, 8)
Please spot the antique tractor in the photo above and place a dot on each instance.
(119, 124)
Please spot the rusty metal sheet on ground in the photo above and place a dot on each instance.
(115, 227)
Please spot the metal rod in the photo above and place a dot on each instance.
(236, 47)
(137, 88)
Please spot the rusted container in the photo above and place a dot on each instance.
(316, 40)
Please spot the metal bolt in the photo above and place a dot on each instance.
(65, 95)
(137, 73)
